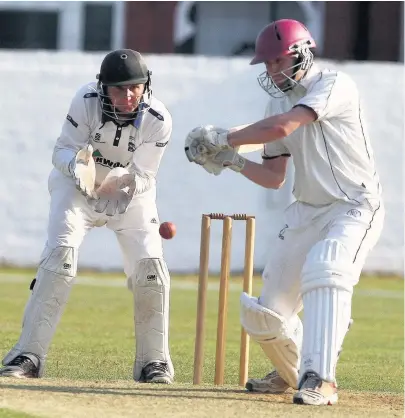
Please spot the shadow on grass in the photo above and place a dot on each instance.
(158, 391)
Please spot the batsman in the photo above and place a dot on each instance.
(314, 116)
(105, 161)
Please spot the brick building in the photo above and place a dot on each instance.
(366, 30)
(343, 30)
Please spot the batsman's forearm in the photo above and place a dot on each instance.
(262, 176)
(61, 159)
(262, 132)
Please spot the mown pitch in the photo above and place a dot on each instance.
(90, 362)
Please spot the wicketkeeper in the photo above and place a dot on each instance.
(114, 123)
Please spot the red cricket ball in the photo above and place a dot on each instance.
(167, 230)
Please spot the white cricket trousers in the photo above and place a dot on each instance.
(357, 227)
(71, 218)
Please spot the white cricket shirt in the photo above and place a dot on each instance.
(332, 156)
(138, 145)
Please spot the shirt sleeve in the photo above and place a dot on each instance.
(148, 156)
(75, 134)
(275, 149)
(330, 95)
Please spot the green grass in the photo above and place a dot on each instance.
(9, 413)
(95, 339)
(89, 368)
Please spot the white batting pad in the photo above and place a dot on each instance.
(44, 309)
(279, 339)
(262, 324)
(329, 263)
(151, 290)
(327, 296)
(285, 357)
(326, 320)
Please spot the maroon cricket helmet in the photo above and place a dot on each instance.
(280, 38)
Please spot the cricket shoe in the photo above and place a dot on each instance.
(272, 383)
(156, 372)
(24, 366)
(315, 391)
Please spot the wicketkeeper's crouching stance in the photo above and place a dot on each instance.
(315, 117)
(111, 124)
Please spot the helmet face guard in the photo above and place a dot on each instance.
(285, 37)
(304, 59)
(112, 112)
(123, 67)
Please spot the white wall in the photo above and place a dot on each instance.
(36, 91)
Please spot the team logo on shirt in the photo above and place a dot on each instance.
(131, 144)
(97, 138)
(99, 159)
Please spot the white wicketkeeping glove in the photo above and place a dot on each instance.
(115, 193)
(83, 170)
(112, 203)
(205, 140)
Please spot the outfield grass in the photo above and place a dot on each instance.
(95, 340)
(9, 413)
